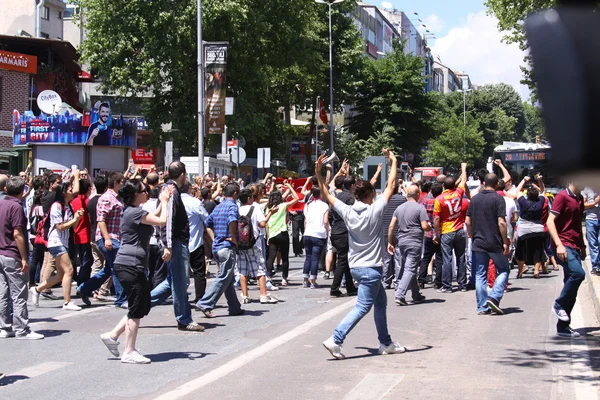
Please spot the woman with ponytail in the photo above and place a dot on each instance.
(131, 265)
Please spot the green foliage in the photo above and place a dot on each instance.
(390, 99)
(535, 122)
(455, 144)
(278, 55)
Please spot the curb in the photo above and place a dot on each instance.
(594, 285)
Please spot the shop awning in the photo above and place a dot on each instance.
(84, 76)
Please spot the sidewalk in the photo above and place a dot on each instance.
(594, 286)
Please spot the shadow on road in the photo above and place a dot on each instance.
(52, 332)
(10, 379)
(206, 325)
(431, 301)
(42, 320)
(512, 310)
(179, 355)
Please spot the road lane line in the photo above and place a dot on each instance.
(374, 387)
(39, 369)
(70, 314)
(253, 354)
(581, 366)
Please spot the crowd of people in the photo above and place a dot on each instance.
(137, 241)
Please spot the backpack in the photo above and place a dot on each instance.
(34, 221)
(42, 231)
(246, 239)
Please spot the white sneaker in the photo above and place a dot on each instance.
(70, 306)
(284, 282)
(268, 300)
(5, 333)
(31, 336)
(392, 348)
(334, 349)
(246, 300)
(134, 358)
(35, 296)
(111, 344)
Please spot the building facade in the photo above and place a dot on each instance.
(19, 17)
(377, 31)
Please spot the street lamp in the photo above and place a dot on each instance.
(464, 92)
(331, 141)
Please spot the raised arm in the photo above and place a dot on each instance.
(505, 174)
(542, 188)
(521, 184)
(293, 193)
(324, 192)
(376, 174)
(391, 183)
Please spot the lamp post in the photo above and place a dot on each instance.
(464, 92)
(331, 141)
(201, 106)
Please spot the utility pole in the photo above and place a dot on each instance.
(201, 105)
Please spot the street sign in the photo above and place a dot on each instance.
(232, 143)
(241, 140)
(168, 153)
(229, 105)
(234, 155)
(224, 157)
(263, 157)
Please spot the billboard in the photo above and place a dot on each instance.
(101, 129)
(215, 56)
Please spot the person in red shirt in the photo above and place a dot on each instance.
(82, 231)
(449, 221)
(564, 225)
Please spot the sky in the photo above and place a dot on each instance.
(467, 39)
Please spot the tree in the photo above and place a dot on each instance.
(139, 47)
(535, 123)
(456, 143)
(391, 99)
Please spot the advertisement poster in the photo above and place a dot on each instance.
(102, 129)
(215, 56)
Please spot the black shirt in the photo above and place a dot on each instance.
(395, 201)
(92, 205)
(209, 206)
(484, 211)
(178, 226)
(338, 226)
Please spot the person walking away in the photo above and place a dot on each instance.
(277, 230)
(316, 230)
(405, 233)
(223, 222)
(157, 267)
(82, 231)
(103, 293)
(431, 249)
(14, 265)
(364, 222)
(449, 222)
(108, 238)
(197, 216)
(564, 224)
(176, 254)
(35, 216)
(592, 226)
(61, 221)
(131, 266)
(339, 240)
(391, 262)
(531, 236)
(486, 225)
(250, 261)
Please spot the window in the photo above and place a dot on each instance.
(59, 15)
(45, 35)
(46, 13)
(71, 11)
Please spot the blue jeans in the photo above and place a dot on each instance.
(370, 293)
(86, 260)
(101, 276)
(456, 241)
(223, 284)
(592, 231)
(176, 283)
(574, 275)
(480, 260)
(313, 247)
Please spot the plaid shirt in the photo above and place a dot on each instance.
(223, 214)
(109, 210)
(428, 202)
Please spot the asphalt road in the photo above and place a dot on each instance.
(274, 351)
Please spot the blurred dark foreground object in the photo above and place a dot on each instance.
(565, 48)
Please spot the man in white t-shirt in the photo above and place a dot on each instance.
(250, 262)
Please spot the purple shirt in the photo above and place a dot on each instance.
(13, 215)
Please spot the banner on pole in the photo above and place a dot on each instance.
(215, 56)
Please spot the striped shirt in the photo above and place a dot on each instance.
(428, 202)
(109, 210)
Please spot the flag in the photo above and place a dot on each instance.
(322, 112)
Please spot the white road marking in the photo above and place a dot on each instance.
(581, 366)
(39, 369)
(70, 314)
(251, 355)
(374, 387)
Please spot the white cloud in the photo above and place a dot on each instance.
(434, 24)
(476, 48)
(386, 4)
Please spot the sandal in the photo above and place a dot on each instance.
(536, 276)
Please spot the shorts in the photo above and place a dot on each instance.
(531, 249)
(329, 245)
(57, 251)
(250, 263)
(137, 287)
